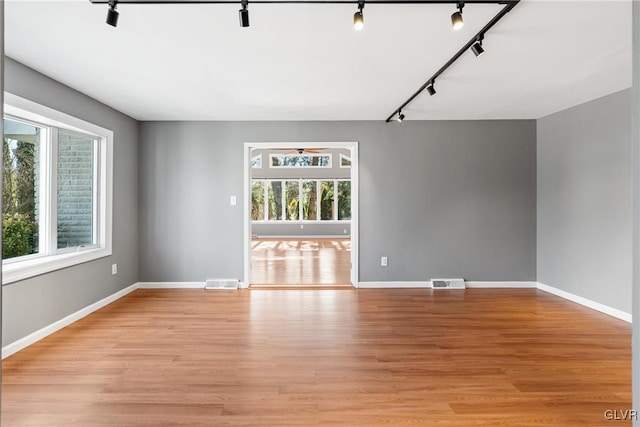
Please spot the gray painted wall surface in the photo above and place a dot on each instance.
(31, 304)
(635, 129)
(1, 132)
(584, 203)
(438, 198)
(283, 230)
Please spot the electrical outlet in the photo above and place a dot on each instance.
(233, 200)
(114, 269)
(383, 261)
(301, 226)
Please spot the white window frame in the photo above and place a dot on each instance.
(50, 259)
(282, 220)
(273, 155)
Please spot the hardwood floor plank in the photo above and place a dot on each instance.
(301, 262)
(478, 357)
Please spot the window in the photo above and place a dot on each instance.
(300, 161)
(256, 161)
(20, 188)
(56, 190)
(300, 200)
(345, 161)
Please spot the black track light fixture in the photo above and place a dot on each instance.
(112, 13)
(358, 17)
(244, 13)
(400, 116)
(477, 48)
(430, 88)
(456, 18)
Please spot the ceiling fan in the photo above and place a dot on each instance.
(301, 150)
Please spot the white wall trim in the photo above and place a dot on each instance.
(393, 285)
(354, 176)
(501, 285)
(171, 285)
(472, 284)
(22, 343)
(619, 314)
(18, 345)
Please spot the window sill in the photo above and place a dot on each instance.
(21, 270)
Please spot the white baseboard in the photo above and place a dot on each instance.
(16, 346)
(619, 314)
(502, 285)
(485, 285)
(171, 285)
(393, 285)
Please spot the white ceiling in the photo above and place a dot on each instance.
(306, 62)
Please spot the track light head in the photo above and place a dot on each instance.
(112, 14)
(431, 89)
(244, 14)
(477, 48)
(457, 21)
(358, 17)
(400, 117)
(358, 21)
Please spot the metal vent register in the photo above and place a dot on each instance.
(447, 283)
(221, 284)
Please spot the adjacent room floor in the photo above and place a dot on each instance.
(301, 262)
(345, 357)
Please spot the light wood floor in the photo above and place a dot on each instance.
(301, 262)
(325, 358)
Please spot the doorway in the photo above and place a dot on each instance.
(300, 214)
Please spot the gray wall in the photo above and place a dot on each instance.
(438, 198)
(584, 203)
(308, 230)
(31, 304)
(1, 131)
(635, 129)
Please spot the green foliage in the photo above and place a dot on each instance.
(292, 195)
(274, 202)
(344, 199)
(19, 235)
(326, 200)
(19, 227)
(257, 201)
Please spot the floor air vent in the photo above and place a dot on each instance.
(221, 284)
(447, 283)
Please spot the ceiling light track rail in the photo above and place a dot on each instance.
(475, 41)
(356, 2)
(457, 22)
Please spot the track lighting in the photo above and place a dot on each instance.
(112, 13)
(431, 89)
(457, 22)
(358, 17)
(477, 48)
(456, 19)
(244, 13)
